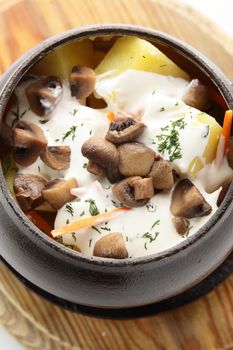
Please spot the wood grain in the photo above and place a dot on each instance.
(205, 324)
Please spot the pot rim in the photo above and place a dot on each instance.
(25, 62)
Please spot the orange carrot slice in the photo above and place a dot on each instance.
(226, 130)
(87, 222)
(111, 116)
(39, 222)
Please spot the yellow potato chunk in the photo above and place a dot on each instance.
(134, 53)
(60, 61)
(214, 133)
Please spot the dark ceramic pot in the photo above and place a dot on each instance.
(107, 283)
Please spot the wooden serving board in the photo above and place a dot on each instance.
(205, 324)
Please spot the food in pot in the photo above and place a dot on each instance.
(117, 143)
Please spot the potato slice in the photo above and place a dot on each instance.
(135, 53)
(213, 133)
(61, 61)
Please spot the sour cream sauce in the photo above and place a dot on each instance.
(157, 99)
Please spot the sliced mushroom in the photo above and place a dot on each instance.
(162, 175)
(28, 191)
(94, 168)
(29, 141)
(57, 157)
(82, 81)
(111, 246)
(135, 159)
(197, 95)
(188, 202)
(57, 192)
(113, 174)
(143, 188)
(230, 153)
(124, 131)
(181, 225)
(101, 151)
(44, 94)
(124, 192)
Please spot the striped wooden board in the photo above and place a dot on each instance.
(205, 324)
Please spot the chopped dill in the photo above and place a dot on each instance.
(67, 221)
(157, 222)
(71, 132)
(169, 141)
(105, 228)
(17, 116)
(74, 112)
(82, 213)
(84, 165)
(93, 210)
(74, 237)
(96, 229)
(162, 109)
(43, 121)
(69, 209)
(90, 241)
(151, 207)
(152, 237)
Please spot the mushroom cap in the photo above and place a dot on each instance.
(43, 95)
(113, 174)
(94, 168)
(29, 141)
(181, 225)
(197, 95)
(57, 192)
(101, 151)
(82, 81)
(56, 157)
(124, 192)
(112, 246)
(187, 201)
(124, 131)
(162, 175)
(135, 159)
(28, 190)
(143, 188)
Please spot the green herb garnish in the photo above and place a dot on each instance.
(71, 132)
(93, 210)
(169, 141)
(69, 209)
(96, 229)
(18, 116)
(43, 121)
(74, 237)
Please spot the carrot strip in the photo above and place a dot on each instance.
(87, 222)
(226, 130)
(111, 116)
(39, 222)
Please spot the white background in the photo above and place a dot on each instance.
(219, 11)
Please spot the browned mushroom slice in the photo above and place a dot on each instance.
(44, 94)
(181, 225)
(94, 168)
(143, 188)
(197, 96)
(124, 131)
(162, 175)
(230, 153)
(28, 191)
(113, 174)
(57, 157)
(57, 192)
(101, 151)
(187, 201)
(82, 81)
(111, 246)
(29, 141)
(124, 192)
(135, 159)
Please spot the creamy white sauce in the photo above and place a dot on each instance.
(147, 229)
